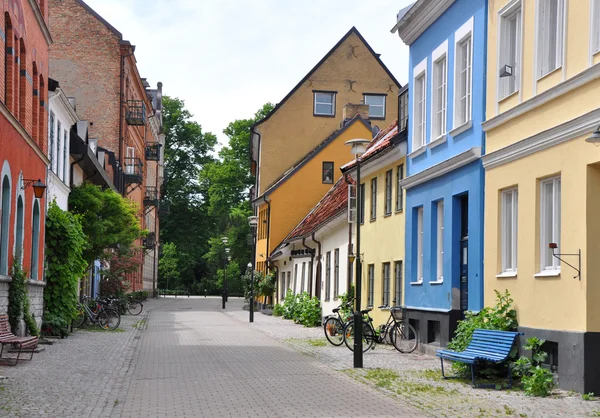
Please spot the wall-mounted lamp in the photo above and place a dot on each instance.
(553, 247)
(506, 71)
(38, 187)
(594, 138)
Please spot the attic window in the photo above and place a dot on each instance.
(376, 104)
(328, 172)
(324, 103)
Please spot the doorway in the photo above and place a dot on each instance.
(464, 254)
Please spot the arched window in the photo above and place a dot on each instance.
(19, 230)
(22, 84)
(8, 62)
(15, 80)
(42, 133)
(35, 239)
(5, 225)
(35, 106)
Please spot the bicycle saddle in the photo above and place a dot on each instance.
(365, 311)
(336, 310)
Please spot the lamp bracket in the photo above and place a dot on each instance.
(28, 182)
(578, 255)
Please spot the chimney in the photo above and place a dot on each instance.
(351, 110)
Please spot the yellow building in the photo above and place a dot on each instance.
(382, 220)
(351, 72)
(543, 84)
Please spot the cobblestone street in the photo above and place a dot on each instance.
(185, 357)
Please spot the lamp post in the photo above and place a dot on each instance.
(253, 221)
(225, 240)
(359, 147)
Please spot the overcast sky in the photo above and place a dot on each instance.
(226, 58)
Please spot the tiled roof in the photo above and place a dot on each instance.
(332, 204)
(381, 142)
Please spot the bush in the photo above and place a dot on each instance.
(302, 309)
(536, 379)
(278, 310)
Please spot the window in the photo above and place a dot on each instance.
(324, 103)
(35, 240)
(462, 105)
(440, 68)
(510, 51)
(595, 31)
(371, 284)
(549, 222)
(352, 203)
(509, 230)
(403, 110)
(385, 300)
(399, 178)
(376, 104)
(440, 241)
(59, 148)
(362, 203)
(336, 273)
(283, 289)
(130, 161)
(373, 198)
(550, 26)
(289, 281)
(327, 172)
(419, 277)
(65, 156)
(420, 112)
(5, 225)
(295, 277)
(327, 275)
(388, 192)
(19, 235)
(433, 331)
(51, 141)
(398, 283)
(303, 280)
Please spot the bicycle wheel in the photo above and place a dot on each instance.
(368, 336)
(404, 337)
(109, 319)
(134, 307)
(334, 331)
(79, 319)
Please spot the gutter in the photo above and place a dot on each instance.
(268, 202)
(312, 263)
(318, 275)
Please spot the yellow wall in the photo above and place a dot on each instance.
(292, 131)
(294, 198)
(382, 241)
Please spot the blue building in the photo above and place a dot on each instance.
(445, 178)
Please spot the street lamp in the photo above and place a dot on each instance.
(359, 147)
(225, 240)
(594, 138)
(253, 221)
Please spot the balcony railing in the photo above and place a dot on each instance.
(150, 241)
(136, 112)
(153, 151)
(133, 173)
(151, 196)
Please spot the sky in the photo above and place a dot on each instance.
(226, 58)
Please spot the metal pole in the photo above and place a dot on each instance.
(224, 283)
(252, 275)
(358, 346)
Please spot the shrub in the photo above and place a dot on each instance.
(536, 379)
(278, 310)
(302, 309)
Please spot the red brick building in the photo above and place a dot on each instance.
(96, 66)
(24, 38)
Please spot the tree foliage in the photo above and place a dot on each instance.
(123, 262)
(168, 265)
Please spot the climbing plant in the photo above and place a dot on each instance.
(65, 246)
(18, 300)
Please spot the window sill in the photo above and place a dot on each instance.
(438, 281)
(462, 128)
(420, 282)
(549, 74)
(417, 152)
(372, 220)
(323, 116)
(548, 273)
(438, 141)
(385, 309)
(399, 211)
(505, 98)
(387, 215)
(506, 274)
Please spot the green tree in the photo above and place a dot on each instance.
(168, 266)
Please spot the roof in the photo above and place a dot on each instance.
(100, 18)
(381, 142)
(311, 154)
(331, 205)
(353, 30)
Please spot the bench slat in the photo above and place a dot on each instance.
(487, 345)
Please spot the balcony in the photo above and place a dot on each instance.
(150, 241)
(136, 113)
(133, 173)
(151, 196)
(153, 151)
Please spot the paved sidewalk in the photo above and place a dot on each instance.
(416, 378)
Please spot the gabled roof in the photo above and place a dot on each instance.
(311, 154)
(100, 18)
(333, 204)
(381, 142)
(353, 30)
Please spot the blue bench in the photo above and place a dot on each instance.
(485, 345)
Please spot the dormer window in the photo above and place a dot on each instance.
(324, 103)
(327, 172)
(376, 104)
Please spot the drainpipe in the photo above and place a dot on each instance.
(268, 202)
(318, 275)
(348, 263)
(312, 263)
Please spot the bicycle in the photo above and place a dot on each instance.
(105, 318)
(334, 325)
(401, 334)
(134, 307)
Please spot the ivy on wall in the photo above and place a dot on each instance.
(18, 300)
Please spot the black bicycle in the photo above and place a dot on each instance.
(334, 324)
(401, 334)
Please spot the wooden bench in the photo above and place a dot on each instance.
(485, 345)
(22, 343)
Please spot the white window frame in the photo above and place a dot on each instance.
(51, 130)
(512, 11)
(382, 105)
(439, 57)
(386, 278)
(420, 245)
(509, 230)
(59, 146)
(440, 242)
(371, 284)
(388, 192)
(66, 143)
(130, 160)
(419, 122)
(594, 29)
(463, 114)
(332, 104)
(548, 263)
(541, 41)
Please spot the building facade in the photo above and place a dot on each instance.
(543, 178)
(445, 181)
